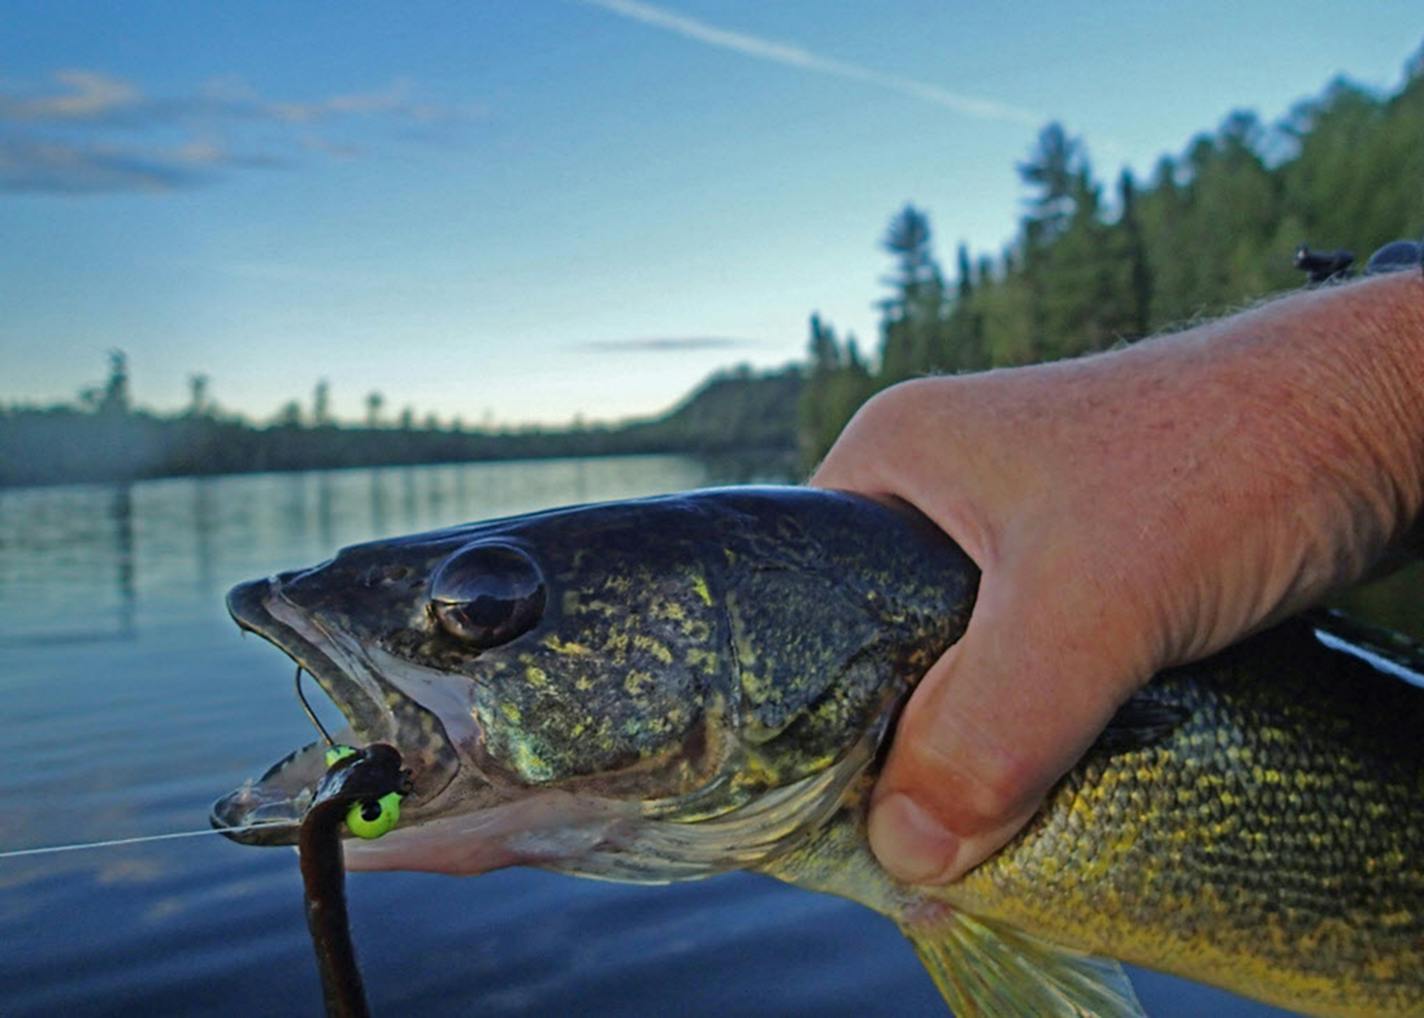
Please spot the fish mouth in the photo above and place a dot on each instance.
(259, 607)
(582, 831)
(269, 811)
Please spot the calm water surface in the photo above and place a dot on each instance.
(131, 702)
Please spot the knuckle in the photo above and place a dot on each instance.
(973, 783)
(1007, 785)
(858, 460)
(892, 409)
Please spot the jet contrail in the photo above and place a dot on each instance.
(794, 56)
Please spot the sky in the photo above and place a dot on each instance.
(532, 211)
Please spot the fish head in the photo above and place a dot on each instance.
(641, 690)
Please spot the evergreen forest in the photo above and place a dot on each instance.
(1094, 264)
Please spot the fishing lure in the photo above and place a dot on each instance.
(362, 788)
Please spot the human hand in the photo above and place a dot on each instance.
(1129, 511)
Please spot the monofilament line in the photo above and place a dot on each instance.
(53, 849)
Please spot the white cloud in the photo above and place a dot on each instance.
(84, 131)
(58, 167)
(795, 56)
(665, 344)
(395, 100)
(85, 95)
(67, 167)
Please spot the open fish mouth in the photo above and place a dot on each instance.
(269, 810)
(579, 832)
(260, 607)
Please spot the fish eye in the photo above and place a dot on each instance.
(487, 594)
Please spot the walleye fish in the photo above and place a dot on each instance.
(673, 687)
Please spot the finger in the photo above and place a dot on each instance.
(1005, 713)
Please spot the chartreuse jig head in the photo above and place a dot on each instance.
(372, 816)
(369, 817)
(372, 819)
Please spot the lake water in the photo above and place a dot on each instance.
(131, 702)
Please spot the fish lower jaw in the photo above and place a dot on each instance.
(279, 798)
(549, 829)
(612, 839)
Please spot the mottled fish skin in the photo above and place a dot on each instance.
(1272, 842)
(1255, 821)
(694, 650)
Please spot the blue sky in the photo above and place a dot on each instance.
(531, 210)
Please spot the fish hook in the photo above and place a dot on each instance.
(311, 714)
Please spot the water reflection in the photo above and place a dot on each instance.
(121, 513)
(380, 501)
(580, 485)
(204, 527)
(735, 468)
(462, 490)
(94, 563)
(409, 498)
(295, 514)
(325, 525)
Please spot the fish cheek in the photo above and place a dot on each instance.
(570, 709)
(813, 667)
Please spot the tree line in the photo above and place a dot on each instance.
(106, 438)
(1213, 227)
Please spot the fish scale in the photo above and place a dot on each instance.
(1282, 865)
(1269, 843)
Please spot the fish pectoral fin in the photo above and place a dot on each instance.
(985, 970)
(1140, 722)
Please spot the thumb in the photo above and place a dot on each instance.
(997, 720)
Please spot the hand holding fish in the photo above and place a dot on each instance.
(672, 687)
(1130, 511)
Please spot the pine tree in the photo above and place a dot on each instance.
(1214, 226)
(115, 398)
(912, 316)
(1136, 280)
(321, 404)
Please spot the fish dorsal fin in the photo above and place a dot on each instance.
(985, 970)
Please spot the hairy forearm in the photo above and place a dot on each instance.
(1337, 379)
(1318, 403)
(1240, 469)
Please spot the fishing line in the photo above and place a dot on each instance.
(79, 846)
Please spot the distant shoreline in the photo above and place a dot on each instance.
(756, 461)
(732, 413)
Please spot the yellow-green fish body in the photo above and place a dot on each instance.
(1269, 840)
(668, 688)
